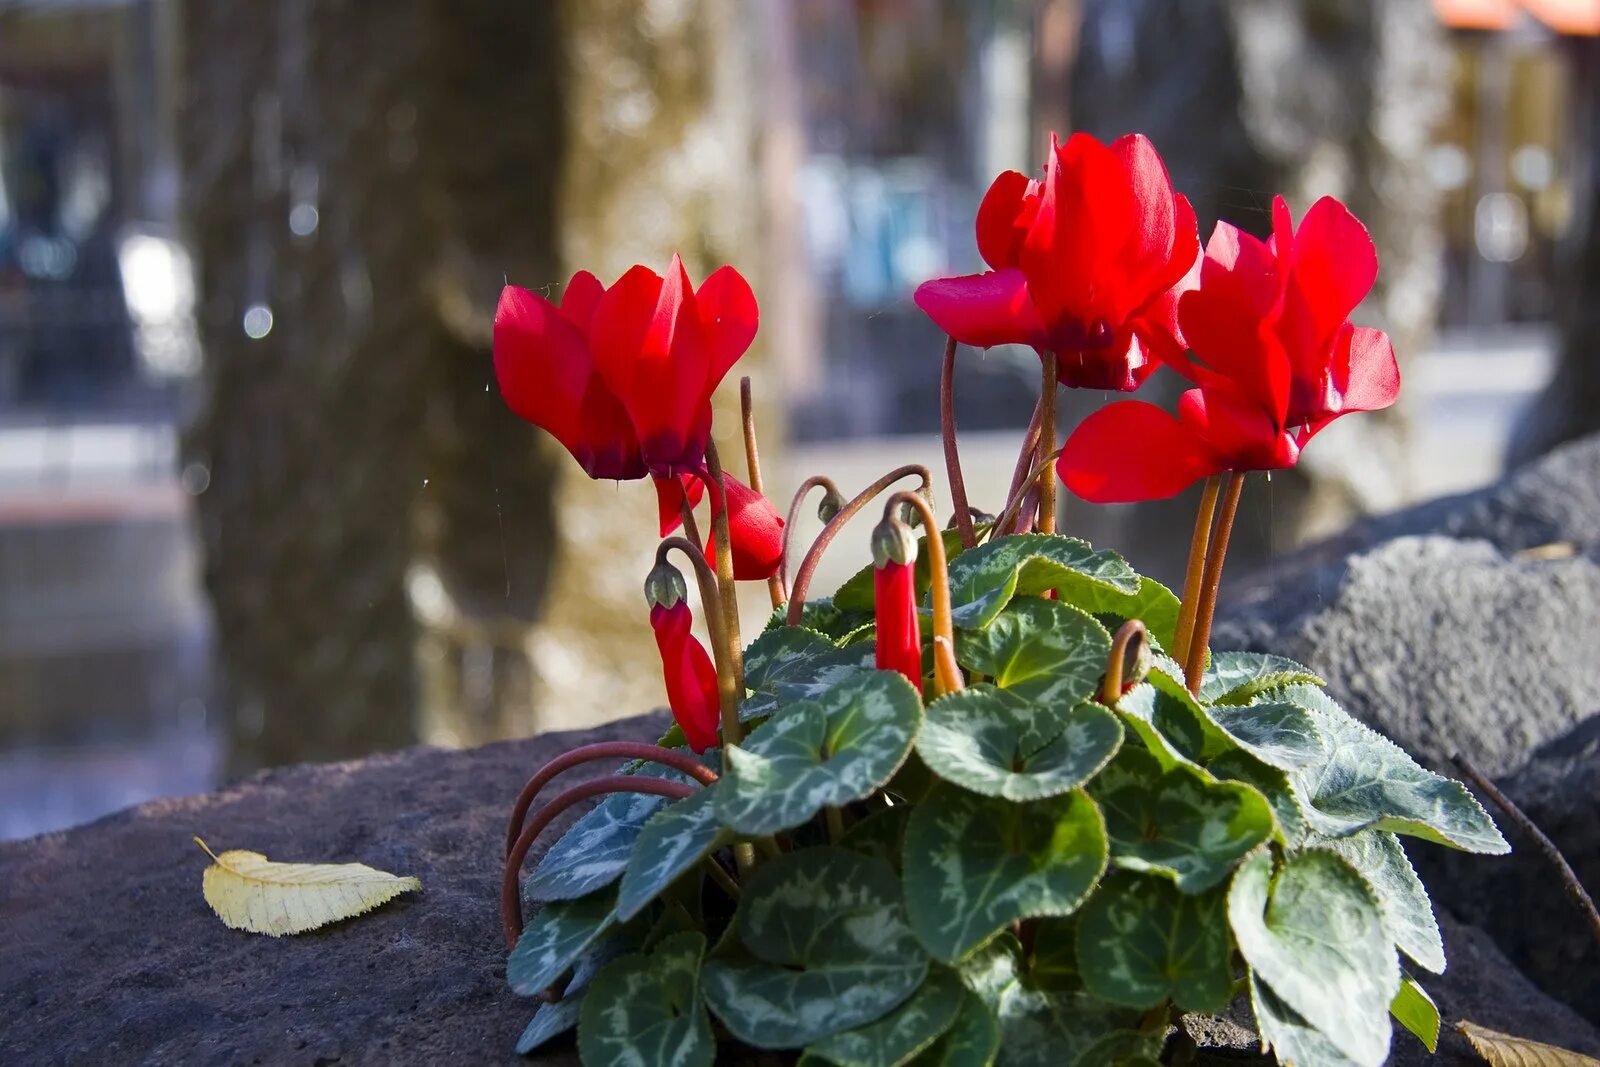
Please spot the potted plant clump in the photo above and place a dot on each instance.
(994, 799)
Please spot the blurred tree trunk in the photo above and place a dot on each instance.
(1570, 405)
(340, 162)
(1248, 98)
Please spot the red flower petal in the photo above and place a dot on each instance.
(690, 676)
(1086, 214)
(670, 496)
(580, 299)
(999, 233)
(1332, 267)
(1243, 437)
(756, 530)
(983, 310)
(899, 638)
(1148, 255)
(1365, 374)
(1133, 451)
(728, 320)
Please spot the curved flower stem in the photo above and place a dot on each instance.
(1194, 664)
(1014, 506)
(510, 891)
(1047, 441)
(794, 514)
(952, 453)
(938, 583)
(1197, 561)
(691, 528)
(946, 671)
(711, 603)
(752, 456)
(732, 687)
(808, 566)
(1130, 634)
(1025, 458)
(667, 757)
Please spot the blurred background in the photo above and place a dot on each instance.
(260, 502)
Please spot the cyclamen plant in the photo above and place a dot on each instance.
(995, 799)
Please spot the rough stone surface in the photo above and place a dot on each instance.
(111, 955)
(1465, 624)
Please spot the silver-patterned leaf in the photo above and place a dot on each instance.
(1287, 1036)
(819, 753)
(1314, 933)
(984, 579)
(973, 1040)
(557, 1017)
(1270, 782)
(1141, 942)
(1153, 604)
(1368, 780)
(820, 944)
(975, 864)
(1279, 734)
(554, 939)
(1043, 1029)
(645, 1008)
(1181, 823)
(668, 846)
(900, 1035)
(1239, 677)
(1407, 912)
(993, 742)
(793, 665)
(1039, 650)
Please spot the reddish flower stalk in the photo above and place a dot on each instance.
(606, 750)
(732, 729)
(1194, 665)
(832, 503)
(1198, 543)
(808, 566)
(1047, 442)
(938, 582)
(752, 455)
(952, 452)
(1130, 634)
(1025, 463)
(510, 891)
(894, 599)
(946, 671)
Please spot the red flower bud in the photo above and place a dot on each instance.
(690, 676)
(894, 583)
(754, 525)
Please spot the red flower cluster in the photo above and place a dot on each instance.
(1087, 263)
(1272, 352)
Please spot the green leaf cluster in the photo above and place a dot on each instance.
(1023, 872)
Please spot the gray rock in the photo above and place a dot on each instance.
(111, 955)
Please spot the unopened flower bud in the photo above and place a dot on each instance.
(830, 505)
(664, 586)
(893, 542)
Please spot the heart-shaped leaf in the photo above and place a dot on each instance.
(975, 864)
(1043, 1029)
(1141, 942)
(1181, 823)
(1287, 1036)
(1153, 604)
(819, 753)
(1367, 780)
(1270, 782)
(881, 834)
(900, 1035)
(783, 667)
(993, 742)
(984, 579)
(1039, 650)
(1314, 933)
(1240, 677)
(668, 846)
(645, 1008)
(557, 1017)
(819, 945)
(973, 1039)
(1278, 734)
(1415, 1010)
(554, 939)
(1407, 912)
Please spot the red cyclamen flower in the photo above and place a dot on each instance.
(1273, 354)
(894, 583)
(687, 668)
(1088, 262)
(662, 347)
(547, 375)
(754, 526)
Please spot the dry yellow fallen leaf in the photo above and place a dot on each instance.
(1503, 1050)
(250, 892)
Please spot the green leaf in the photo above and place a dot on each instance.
(821, 616)
(1278, 734)
(1314, 933)
(1289, 1037)
(992, 742)
(557, 1017)
(1153, 604)
(1141, 942)
(1041, 1029)
(856, 594)
(975, 864)
(1053, 955)
(786, 666)
(904, 1032)
(1407, 912)
(973, 1040)
(1180, 823)
(1240, 766)
(1367, 780)
(1240, 677)
(881, 834)
(819, 945)
(819, 753)
(1161, 724)
(670, 845)
(645, 1008)
(984, 579)
(1040, 650)
(1416, 1011)
(553, 940)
